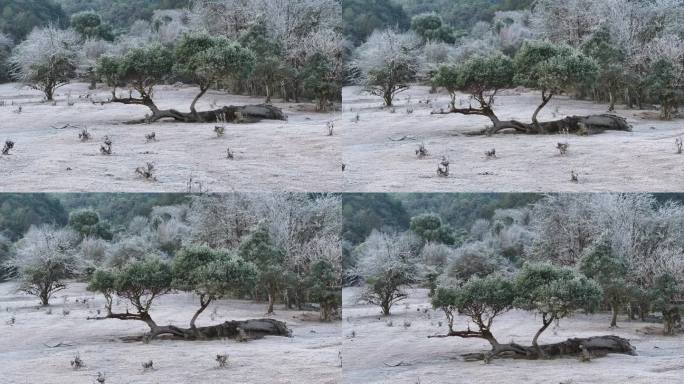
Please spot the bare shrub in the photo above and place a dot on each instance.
(562, 148)
(84, 135)
(574, 177)
(421, 152)
(331, 128)
(106, 147)
(222, 360)
(229, 155)
(65, 312)
(407, 324)
(150, 137)
(9, 144)
(219, 130)
(678, 143)
(146, 172)
(12, 320)
(18, 110)
(77, 363)
(491, 154)
(148, 365)
(100, 378)
(443, 167)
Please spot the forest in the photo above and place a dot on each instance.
(175, 264)
(534, 277)
(570, 69)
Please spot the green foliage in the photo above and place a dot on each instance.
(429, 227)
(87, 223)
(481, 299)
(430, 27)
(142, 281)
(89, 25)
(362, 17)
(207, 59)
(555, 292)
(18, 18)
(664, 83)
(323, 283)
(368, 211)
(552, 68)
(663, 293)
(319, 77)
(103, 281)
(18, 212)
(145, 67)
(475, 76)
(211, 274)
(269, 259)
(107, 69)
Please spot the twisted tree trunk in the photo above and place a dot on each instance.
(229, 114)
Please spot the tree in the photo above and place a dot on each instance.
(46, 60)
(387, 263)
(87, 223)
(430, 27)
(610, 60)
(20, 18)
(44, 258)
(481, 299)
(208, 59)
(551, 69)
(211, 274)
(665, 84)
(361, 18)
(553, 292)
(103, 281)
(388, 61)
(88, 25)
(609, 270)
(663, 294)
(270, 261)
(269, 66)
(324, 287)
(429, 227)
(320, 77)
(481, 77)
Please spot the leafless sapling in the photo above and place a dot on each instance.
(222, 360)
(678, 143)
(331, 128)
(84, 135)
(229, 154)
(77, 363)
(574, 177)
(562, 148)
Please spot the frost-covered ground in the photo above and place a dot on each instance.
(426, 361)
(642, 160)
(311, 356)
(295, 155)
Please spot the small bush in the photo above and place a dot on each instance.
(222, 360)
(106, 148)
(77, 363)
(148, 365)
(443, 167)
(84, 135)
(152, 136)
(9, 144)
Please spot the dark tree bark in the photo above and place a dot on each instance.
(251, 329)
(245, 114)
(597, 346)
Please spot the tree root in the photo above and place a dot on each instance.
(597, 346)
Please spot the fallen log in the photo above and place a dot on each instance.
(226, 114)
(597, 346)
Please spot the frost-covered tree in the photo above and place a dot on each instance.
(45, 257)
(388, 62)
(46, 60)
(387, 263)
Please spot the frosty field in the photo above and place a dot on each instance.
(294, 155)
(379, 148)
(378, 353)
(30, 349)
